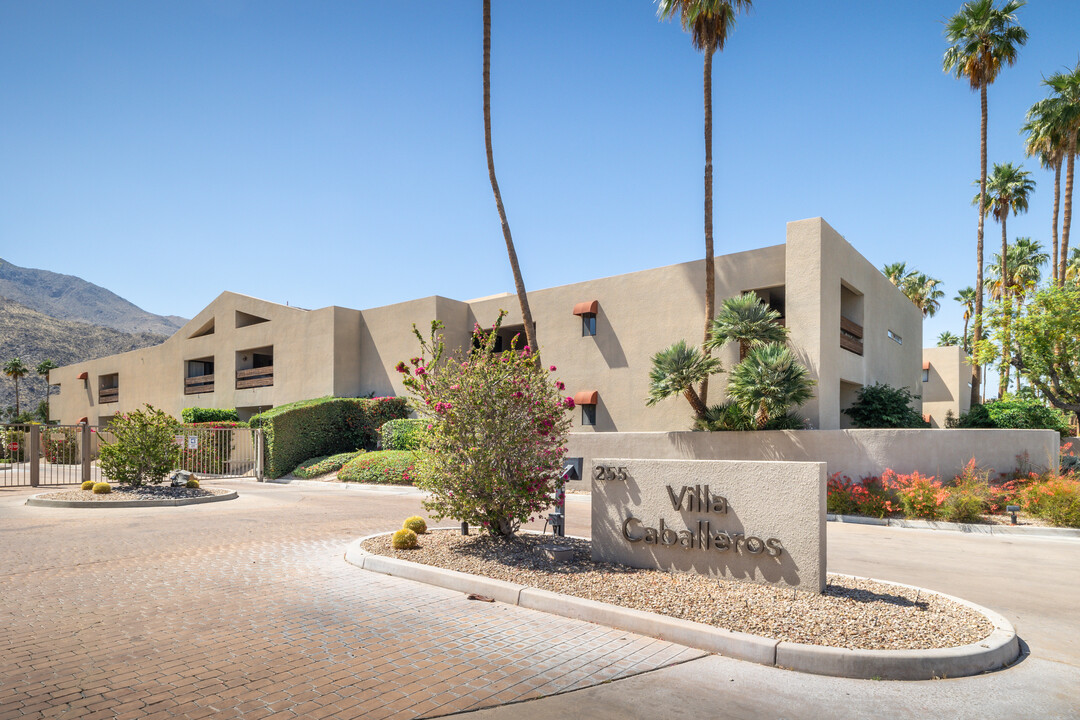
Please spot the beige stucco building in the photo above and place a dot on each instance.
(946, 383)
(849, 325)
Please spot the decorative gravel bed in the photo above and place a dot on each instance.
(857, 614)
(147, 492)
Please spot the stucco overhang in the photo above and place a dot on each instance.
(586, 397)
(589, 307)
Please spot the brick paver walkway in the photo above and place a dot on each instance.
(246, 609)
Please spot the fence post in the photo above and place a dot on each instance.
(85, 447)
(34, 455)
(260, 454)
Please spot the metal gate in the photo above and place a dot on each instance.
(35, 455)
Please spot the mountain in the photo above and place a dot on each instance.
(34, 337)
(67, 297)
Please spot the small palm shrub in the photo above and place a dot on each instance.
(324, 464)
(102, 488)
(403, 539)
(88, 485)
(416, 524)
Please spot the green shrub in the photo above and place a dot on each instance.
(403, 434)
(88, 485)
(194, 415)
(403, 539)
(493, 457)
(1056, 500)
(193, 482)
(61, 446)
(416, 524)
(311, 428)
(384, 467)
(970, 497)
(884, 406)
(141, 449)
(324, 464)
(101, 488)
(920, 496)
(1014, 414)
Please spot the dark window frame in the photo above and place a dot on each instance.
(588, 325)
(588, 415)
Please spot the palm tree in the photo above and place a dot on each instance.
(966, 297)
(15, 369)
(709, 22)
(925, 292)
(947, 339)
(1025, 260)
(897, 273)
(768, 382)
(984, 39)
(1065, 116)
(748, 321)
(919, 288)
(43, 369)
(1046, 141)
(675, 371)
(519, 283)
(1008, 188)
(1072, 268)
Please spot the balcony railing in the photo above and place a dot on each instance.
(109, 395)
(255, 377)
(199, 384)
(851, 336)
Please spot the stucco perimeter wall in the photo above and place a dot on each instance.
(856, 453)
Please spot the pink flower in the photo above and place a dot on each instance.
(552, 368)
(560, 385)
(421, 371)
(569, 403)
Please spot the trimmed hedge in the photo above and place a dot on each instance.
(325, 464)
(384, 467)
(195, 415)
(1014, 414)
(401, 434)
(310, 428)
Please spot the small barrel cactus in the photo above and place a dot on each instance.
(193, 482)
(404, 539)
(416, 524)
(102, 488)
(88, 485)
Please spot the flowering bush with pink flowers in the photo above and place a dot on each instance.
(497, 423)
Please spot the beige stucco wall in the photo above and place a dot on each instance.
(348, 352)
(819, 263)
(303, 344)
(948, 386)
(856, 453)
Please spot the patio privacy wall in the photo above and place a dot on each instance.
(855, 453)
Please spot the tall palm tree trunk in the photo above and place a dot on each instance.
(976, 334)
(1066, 221)
(1006, 306)
(1054, 231)
(16, 395)
(710, 270)
(519, 283)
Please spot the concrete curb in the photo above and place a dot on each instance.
(39, 501)
(997, 650)
(971, 528)
(371, 487)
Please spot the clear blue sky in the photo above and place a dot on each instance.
(332, 153)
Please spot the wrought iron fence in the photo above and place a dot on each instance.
(35, 455)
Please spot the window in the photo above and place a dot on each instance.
(588, 324)
(926, 376)
(588, 414)
(893, 336)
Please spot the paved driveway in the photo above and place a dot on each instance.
(246, 609)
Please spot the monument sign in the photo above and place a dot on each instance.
(758, 521)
